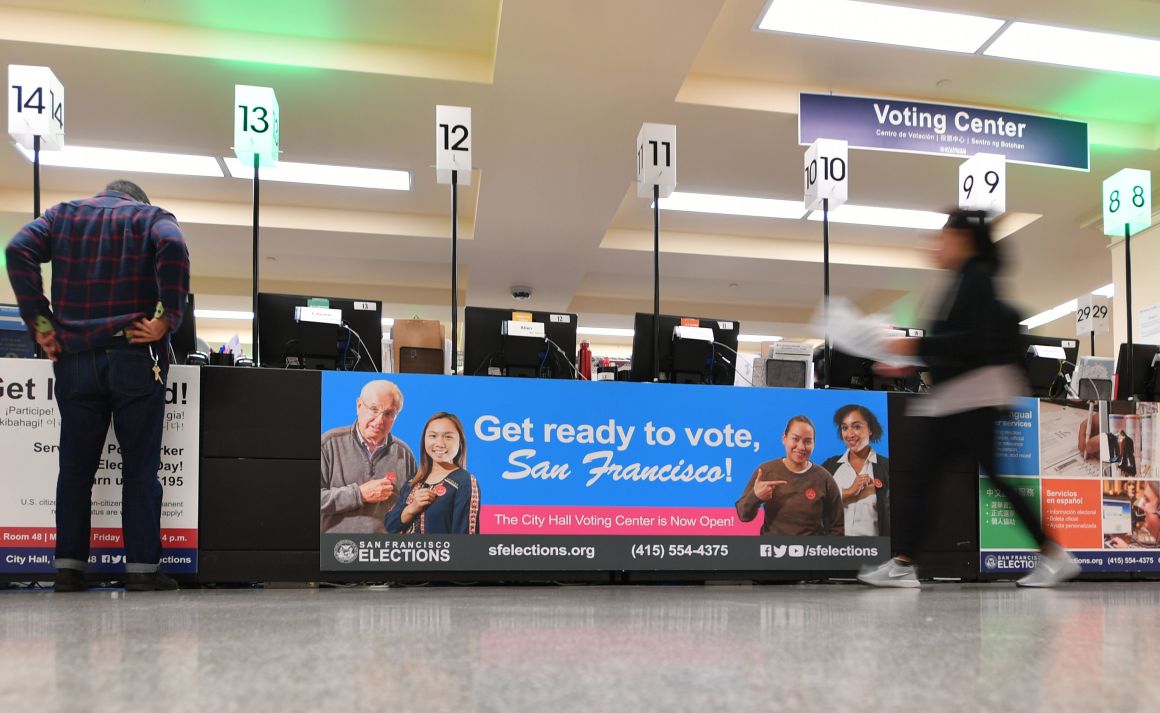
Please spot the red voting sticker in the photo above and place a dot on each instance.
(391, 477)
(440, 489)
(811, 493)
(878, 483)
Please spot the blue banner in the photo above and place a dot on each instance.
(943, 130)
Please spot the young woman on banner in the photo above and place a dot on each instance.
(861, 472)
(972, 353)
(443, 497)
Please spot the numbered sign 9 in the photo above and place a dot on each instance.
(453, 144)
(983, 183)
(826, 173)
(656, 159)
(256, 125)
(1092, 314)
(1128, 201)
(35, 107)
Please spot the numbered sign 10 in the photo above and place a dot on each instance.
(827, 173)
(453, 143)
(35, 107)
(656, 159)
(256, 125)
(1128, 201)
(1092, 314)
(983, 183)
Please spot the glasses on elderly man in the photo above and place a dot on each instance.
(375, 412)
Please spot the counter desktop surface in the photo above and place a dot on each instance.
(259, 475)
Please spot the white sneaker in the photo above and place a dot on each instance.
(1051, 570)
(890, 573)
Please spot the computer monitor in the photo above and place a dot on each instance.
(15, 341)
(685, 360)
(285, 341)
(1048, 375)
(1143, 373)
(495, 347)
(848, 371)
(184, 340)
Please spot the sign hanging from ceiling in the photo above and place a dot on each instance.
(943, 130)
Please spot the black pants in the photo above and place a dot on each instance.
(938, 441)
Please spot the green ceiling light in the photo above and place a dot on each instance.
(1071, 47)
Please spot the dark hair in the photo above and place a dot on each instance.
(425, 463)
(871, 420)
(130, 189)
(975, 222)
(800, 418)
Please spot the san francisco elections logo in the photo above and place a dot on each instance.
(990, 561)
(345, 551)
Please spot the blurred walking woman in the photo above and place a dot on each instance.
(443, 497)
(971, 349)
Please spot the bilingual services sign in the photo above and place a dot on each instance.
(572, 476)
(943, 130)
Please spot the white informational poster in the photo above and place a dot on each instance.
(1150, 325)
(30, 440)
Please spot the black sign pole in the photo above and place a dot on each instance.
(656, 282)
(454, 272)
(36, 176)
(254, 297)
(826, 288)
(1128, 303)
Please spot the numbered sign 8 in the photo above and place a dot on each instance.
(983, 183)
(256, 125)
(35, 107)
(826, 174)
(1092, 314)
(453, 144)
(656, 159)
(1128, 201)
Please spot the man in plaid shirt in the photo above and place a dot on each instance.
(120, 274)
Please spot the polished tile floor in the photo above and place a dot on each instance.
(834, 648)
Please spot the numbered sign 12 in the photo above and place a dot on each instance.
(826, 173)
(35, 107)
(453, 143)
(1127, 201)
(983, 183)
(656, 159)
(1092, 314)
(256, 125)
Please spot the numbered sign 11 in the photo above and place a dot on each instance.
(983, 183)
(1092, 314)
(826, 173)
(1127, 202)
(453, 144)
(256, 125)
(656, 159)
(35, 107)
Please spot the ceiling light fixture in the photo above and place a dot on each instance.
(1062, 310)
(128, 161)
(882, 24)
(757, 338)
(884, 217)
(604, 332)
(1078, 48)
(734, 205)
(222, 314)
(324, 175)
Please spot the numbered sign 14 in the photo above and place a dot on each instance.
(656, 159)
(983, 183)
(453, 144)
(1127, 201)
(1092, 314)
(35, 107)
(256, 125)
(826, 173)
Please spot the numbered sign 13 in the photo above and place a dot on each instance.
(1092, 314)
(983, 183)
(35, 107)
(656, 159)
(1127, 201)
(256, 125)
(827, 174)
(453, 143)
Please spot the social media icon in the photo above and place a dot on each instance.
(767, 550)
(797, 551)
(779, 551)
(106, 559)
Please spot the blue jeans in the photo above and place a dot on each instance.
(91, 389)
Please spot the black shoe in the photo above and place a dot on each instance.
(70, 580)
(149, 582)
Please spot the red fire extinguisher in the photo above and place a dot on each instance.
(584, 362)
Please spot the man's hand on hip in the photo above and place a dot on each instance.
(147, 331)
(49, 344)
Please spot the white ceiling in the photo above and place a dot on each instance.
(558, 91)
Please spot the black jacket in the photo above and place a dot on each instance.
(974, 329)
(881, 471)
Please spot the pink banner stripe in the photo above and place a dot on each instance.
(575, 520)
